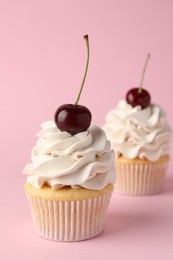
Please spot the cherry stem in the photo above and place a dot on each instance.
(86, 69)
(143, 73)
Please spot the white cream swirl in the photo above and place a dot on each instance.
(136, 132)
(61, 159)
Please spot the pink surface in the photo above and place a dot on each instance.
(42, 59)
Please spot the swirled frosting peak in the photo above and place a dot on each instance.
(138, 133)
(61, 159)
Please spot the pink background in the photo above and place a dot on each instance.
(42, 60)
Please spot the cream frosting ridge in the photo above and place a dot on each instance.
(61, 159)
(136, 132)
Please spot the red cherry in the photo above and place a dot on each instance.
(73, 118)
(134, 97)
(139, 96)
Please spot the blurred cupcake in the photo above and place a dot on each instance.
(70, 182)
(141, 139)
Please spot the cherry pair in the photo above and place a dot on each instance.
(75, 118)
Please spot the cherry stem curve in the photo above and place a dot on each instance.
(143, 73)
(86, 38)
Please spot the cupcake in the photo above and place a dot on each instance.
(70, 182)
(71, 176)
(140, 137)
(141, 140)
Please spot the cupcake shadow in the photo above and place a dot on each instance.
(119, 224)
(168, 186)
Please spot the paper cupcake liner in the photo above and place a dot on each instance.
(69, 220)
(140, 179)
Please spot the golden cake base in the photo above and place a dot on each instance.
(140, 177)
(67, 214)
